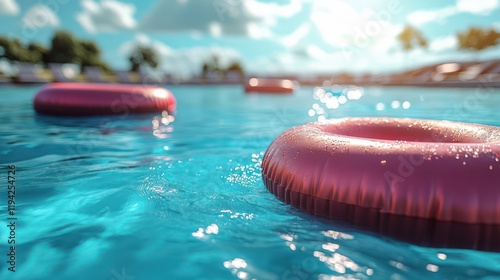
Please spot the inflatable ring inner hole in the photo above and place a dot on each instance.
(441, 133)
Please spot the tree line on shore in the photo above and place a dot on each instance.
(473, 39)
(66, 48)
(213, 66)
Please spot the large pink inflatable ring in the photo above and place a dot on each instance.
(435, 183)
(85, 99)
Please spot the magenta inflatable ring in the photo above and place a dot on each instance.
(436, 183)
(87, 99)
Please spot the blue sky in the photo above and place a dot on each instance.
(292, 36)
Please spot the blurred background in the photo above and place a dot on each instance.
(137, 196)
(223, 40)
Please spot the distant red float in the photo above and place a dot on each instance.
(86, 99)
(435, 183)
(277, 86)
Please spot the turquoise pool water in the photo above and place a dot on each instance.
(181, 197)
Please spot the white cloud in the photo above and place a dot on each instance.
(425, 16)
(272, 10)
(443, 44)
(106, 16)
(39, 16)
(311, 52)
(297, 35)
(184, 61)
(9, 7)
(215, 29)
(385, 42)
(143, 40)
(258, 31)
(496, 26)
(383, 55)
(249, 18)
(307, 59)
(304, 59)
(346, 28)
(484, 7)
(336, 21)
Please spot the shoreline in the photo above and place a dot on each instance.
(480, 82)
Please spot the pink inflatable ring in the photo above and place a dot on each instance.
(435, 183)
(85, 99)
(274, 86)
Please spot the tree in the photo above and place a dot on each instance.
(13, 49)
(91, 55)
(213, 66)
(143, 55)
(4, 43)
(204, 70)
(65, 48)
(7, 49)
(235, 67)
(410, 37)
(37, 52)
(477, 39)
